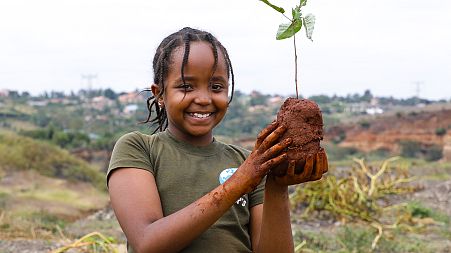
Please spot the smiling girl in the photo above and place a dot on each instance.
(181, 190)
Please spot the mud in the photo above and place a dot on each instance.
(304, 123)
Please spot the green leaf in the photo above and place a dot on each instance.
(303, 3)
(309, 23)
(296, 13)
(277, 8)
(288, 30)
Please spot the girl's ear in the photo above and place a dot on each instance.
(156, 91)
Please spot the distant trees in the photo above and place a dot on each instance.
(109, 93)
(414, 149)
(64, 139)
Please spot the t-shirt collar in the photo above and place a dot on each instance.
(210, 149)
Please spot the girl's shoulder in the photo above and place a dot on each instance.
(138, 141)
(237, 150)
(138, 137)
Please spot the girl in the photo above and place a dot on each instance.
(180, 190)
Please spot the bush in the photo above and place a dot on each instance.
(336, 153)
(433, 153)
(365, 124)
(440, 131)
(410, 149)
(379, 154)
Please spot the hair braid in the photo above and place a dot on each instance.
(186, 40)
(210, 39)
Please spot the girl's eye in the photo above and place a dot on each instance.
(186, 86)
(216, 87)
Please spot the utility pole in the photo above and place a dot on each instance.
(89, 78)
(418, 88)
(88, 112)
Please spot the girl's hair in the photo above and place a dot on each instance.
(162, 62)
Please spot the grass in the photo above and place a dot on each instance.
(357, 238)
(30, 224)
(4, 197)
(38, 207)
(418, 210)
(23, 153)
(58, 196)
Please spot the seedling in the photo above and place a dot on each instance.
(302, 117)
(288, 30)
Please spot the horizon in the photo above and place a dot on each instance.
(68, 93)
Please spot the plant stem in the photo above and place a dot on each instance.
(287, 17)
(295, 66)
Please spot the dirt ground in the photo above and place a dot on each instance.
(436, 195)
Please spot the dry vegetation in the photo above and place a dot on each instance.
(370, 210)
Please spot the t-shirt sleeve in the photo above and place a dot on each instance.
(132, 150)
(257, 196)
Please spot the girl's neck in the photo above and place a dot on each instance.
(200, 141)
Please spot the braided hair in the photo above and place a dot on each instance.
(162, 62)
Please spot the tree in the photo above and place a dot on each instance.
(109, 93)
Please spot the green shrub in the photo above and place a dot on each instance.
(433, 153)
(339, 138)
(365, 124)
(440, 131)
(410, 148)
(379, 154)
(336, 153)
(417, 209)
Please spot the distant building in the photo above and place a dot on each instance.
(374, 110)
(37, 103)
(4, 93)
(130, 109)
(101, 102)
(275, 100)
(129, 98)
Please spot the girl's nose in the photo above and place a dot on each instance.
(203, 98)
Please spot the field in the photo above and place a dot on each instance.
(388, 188)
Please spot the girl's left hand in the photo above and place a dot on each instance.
(315, 167)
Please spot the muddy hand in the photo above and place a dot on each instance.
(266, 155)
(314, 168)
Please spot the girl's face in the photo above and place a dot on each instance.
(195, 107)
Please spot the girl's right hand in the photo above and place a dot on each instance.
(265, 156)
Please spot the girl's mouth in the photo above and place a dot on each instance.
(200, 115)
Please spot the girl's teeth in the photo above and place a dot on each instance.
(199, 115)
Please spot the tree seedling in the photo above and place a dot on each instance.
(288, 30)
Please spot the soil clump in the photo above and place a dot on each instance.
(304, 123)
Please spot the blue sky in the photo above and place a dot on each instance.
(386, 46)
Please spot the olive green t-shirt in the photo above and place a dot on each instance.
(184, 173)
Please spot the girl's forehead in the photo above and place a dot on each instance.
(199, 52)
(196, 47)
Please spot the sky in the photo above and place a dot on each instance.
(399, 48)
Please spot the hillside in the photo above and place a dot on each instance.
(42, 186)
(425, 127)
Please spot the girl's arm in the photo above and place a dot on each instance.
(135, 200)
(271, 222)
